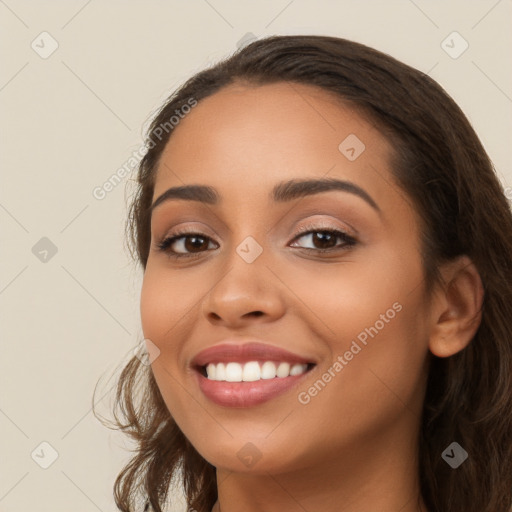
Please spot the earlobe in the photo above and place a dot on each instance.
(457, 308)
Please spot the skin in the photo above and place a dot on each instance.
(354, 446)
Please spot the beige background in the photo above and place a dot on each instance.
(70, 120)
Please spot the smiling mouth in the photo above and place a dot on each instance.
(252, 371)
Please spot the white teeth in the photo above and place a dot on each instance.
(268, 370)
(234, 372)
(210, 371)
(297, 369)
(252, 371)
(283, 370)
(220, 372)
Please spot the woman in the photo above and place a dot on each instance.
(326, 302)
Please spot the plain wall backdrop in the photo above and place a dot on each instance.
(78, 82)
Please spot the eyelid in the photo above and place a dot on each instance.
(318, 226)
(186, 228)
(310, 224)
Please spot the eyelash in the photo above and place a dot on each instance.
(349, 241)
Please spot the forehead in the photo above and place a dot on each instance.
(245, 138)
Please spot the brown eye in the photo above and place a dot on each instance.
(324, 240)
(184, 244)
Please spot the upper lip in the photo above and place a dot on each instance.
(243, 353)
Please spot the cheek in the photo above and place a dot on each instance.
(166, 302)
(343, 300)
(373, 317)
(377, 383)
(383, 352)
(168, 309)
(154, 301)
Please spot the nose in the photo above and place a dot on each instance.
(245, 293)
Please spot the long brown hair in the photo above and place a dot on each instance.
(442, 167)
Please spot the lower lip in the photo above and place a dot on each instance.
(246, 394)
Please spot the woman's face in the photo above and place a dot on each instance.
(356, 311)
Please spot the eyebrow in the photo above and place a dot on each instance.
(282, 192)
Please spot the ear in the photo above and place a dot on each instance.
(456, 308)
